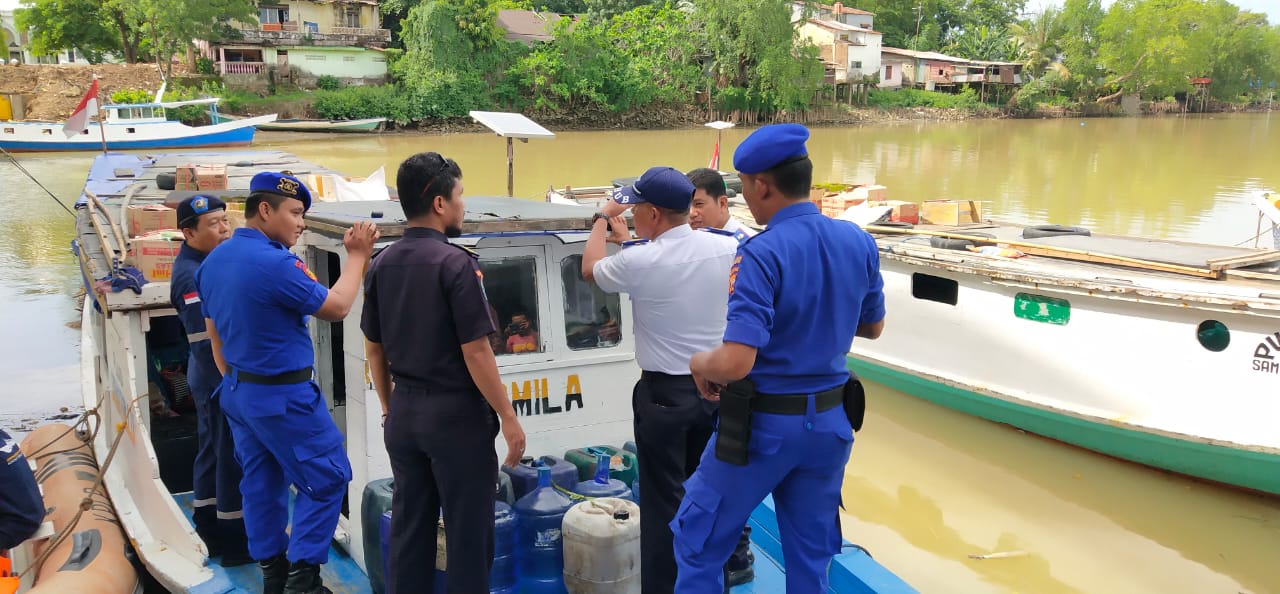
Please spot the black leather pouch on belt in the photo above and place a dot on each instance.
(733, 435)
(855, 402)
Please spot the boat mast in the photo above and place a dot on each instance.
(102, 115)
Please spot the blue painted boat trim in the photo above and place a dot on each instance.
(220, 583)
(853, 571)
(224, 138)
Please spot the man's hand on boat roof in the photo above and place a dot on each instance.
(613, 209)
(359, 239)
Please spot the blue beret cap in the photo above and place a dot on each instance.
(189, 210)
(283, 184)
(659, 186)
(771, 146)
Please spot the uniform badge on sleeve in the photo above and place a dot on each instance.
(190, 298)
(305, 270)
(733, 273)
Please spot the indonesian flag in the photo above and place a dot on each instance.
(78, 123)
(715, 157)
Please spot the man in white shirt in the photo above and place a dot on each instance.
(678, 281)
(710, 207)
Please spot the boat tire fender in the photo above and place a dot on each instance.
(166, 181)
(948, 243)
(1038, 231)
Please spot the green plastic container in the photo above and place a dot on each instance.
(622, 464)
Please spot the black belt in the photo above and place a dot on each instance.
(796, 404)
(280, 379)
(658, 375)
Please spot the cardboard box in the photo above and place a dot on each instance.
(235, 214)
(200, 177)
(950, 212)
(141, 219)
(872, 193)
(154, 254)
(903, 212)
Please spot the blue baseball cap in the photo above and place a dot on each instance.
(189, 210)
(771, 146)
(283, 184)
(659, 186)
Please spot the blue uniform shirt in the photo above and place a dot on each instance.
(798, 292)
(259, 295)
(21, 508)
(185, 298)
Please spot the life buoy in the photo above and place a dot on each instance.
(92, 556)
(948, 243)
(1037, 231)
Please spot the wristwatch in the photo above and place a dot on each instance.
(598, 216)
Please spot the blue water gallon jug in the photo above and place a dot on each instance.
(524, 476)
(539, 542)
(502, 578)
(601, 485)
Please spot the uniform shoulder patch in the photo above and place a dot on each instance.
(466, 249)
(303, 267)
(717, 231)
(627, 244)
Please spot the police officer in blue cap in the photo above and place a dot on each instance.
(216, 475)
(677, 282)
(21, 508)
(256, 297)
(788, 404)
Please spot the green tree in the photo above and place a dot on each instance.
(1038, 38)
(171, 25)
(1244, 52)
(1079, 45)
(83, 25)
(603, 10)
(983, 43)
(1152, 47)
(754, 47)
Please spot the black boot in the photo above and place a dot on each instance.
(304, 578)
(275, 572)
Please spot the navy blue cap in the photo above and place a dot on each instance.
(284, 184)
(189, 210)
(659, 186)
(771, 146)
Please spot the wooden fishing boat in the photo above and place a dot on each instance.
(132, 126)
(363, 126)
(1160, 352)
(573, 391)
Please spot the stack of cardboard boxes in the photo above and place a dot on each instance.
(833, 201)
(156, 240)
(201, 177)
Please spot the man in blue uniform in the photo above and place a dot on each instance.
(256, 297)
(788, 405)
(427, 323)
(21, 507)
(216, 476)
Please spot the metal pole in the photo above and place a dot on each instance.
(102, 120)
(511, 171)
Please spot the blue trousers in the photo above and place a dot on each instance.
(284, 435)
(798, 458)
(216, 476)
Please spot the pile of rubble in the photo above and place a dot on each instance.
(50, 92)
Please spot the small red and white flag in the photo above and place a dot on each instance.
(190, 298)
(78, 123)
(715, 157)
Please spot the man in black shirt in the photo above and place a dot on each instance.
(427, 323)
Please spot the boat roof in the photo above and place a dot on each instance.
(164, 104)
(485, 215)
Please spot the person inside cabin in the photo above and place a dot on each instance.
(215, 479)
(521, 337)
(21, 507)
(788, 405)
(256, 296)
(496, 339)
(427, 325)
(676, 278)
(710, 206)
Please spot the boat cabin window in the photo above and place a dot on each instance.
(935, 288)
(9, 131)
(511, 283)
(591, 316)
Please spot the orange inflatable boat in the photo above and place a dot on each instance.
(91, 558)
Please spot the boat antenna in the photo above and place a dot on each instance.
(33, 178)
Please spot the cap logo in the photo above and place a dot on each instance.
(199, 205)
(287, 186)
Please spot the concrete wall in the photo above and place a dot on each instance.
(868, 54)
(351, 64)
(894, 79)
(326, 16)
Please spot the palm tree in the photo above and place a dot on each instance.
(1038, 37)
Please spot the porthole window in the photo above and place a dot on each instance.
(934, 288)
(1213, 335)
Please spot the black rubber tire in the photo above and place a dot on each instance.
(894, 225)
(948, 243)
(166, 181)
(1037, 231)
